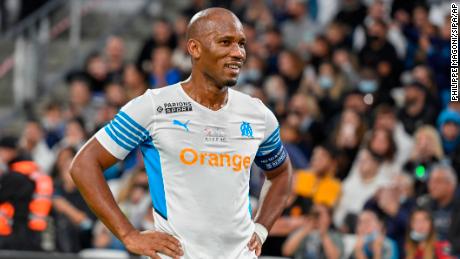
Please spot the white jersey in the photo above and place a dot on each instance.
(198, 163)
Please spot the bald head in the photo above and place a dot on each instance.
(215, 42)
(207, 20)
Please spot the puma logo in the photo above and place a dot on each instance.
(184, 125)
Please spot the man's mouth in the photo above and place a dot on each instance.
(235, 67)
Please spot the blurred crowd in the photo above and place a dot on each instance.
(362, 92)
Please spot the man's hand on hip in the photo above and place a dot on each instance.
(151, 242)
(255, 244)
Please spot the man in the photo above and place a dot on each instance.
(199, 139)
(444, 205)
(319, 183)
(417, 109)
(16, 192)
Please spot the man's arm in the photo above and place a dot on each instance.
(273, 199)
(87, 172)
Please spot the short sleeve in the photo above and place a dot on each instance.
(129, 127)
(271, 152)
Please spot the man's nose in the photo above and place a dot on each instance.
(238, 52)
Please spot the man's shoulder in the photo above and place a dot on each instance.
(163, 91)
(246, 101)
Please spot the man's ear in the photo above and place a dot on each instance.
(194, 48)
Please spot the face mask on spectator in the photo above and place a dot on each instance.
(325, 82)
(417, 236)
(402, 199)
(367, 86)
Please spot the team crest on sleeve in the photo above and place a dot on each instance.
(246, 129)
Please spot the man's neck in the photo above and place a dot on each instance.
(205, 92)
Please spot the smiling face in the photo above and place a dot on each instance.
(216, 44)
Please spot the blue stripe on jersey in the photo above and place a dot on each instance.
(273, 138)
(126, 132)
(155, 174)
(273, 142)
(121, 136)
(249, 206)
(269, 147)
(112, 135)
(128, 126)
(134, 123)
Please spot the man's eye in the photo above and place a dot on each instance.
(225, 42)
(242, 44)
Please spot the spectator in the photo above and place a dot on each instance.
(455, 155)
(115, 58)
(180, 57)
(81, 102)
(134, 81)
(316, 238)
(133, 197)
(303, 114)
(320, 51)
(394, 203)
(382, 144)
(33, 143)
(16, 192)
(347, 137)
(417, 109)
(73, 218)
(416, 30)
(371, 240)
(449, 128)
(335, 35)
(75, 135)
(438, 57)
(355, 101)
(272, 41)
(318, 183)
(299, 28)
(351, 14)
(162, 36)
(347, 63)
(291, 137)
(380, 55)
(427, 151)
(53, 123)
(277, 95)
(8, 150)
(444, 205)
(358, 188)
(95, 73)
(161, 72)
(386, 118)
(327, 88)
(115, 94)
(425, 75)
(291, 219)
(290, 68)
(421, 240)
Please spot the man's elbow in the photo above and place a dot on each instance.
(76, 168)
